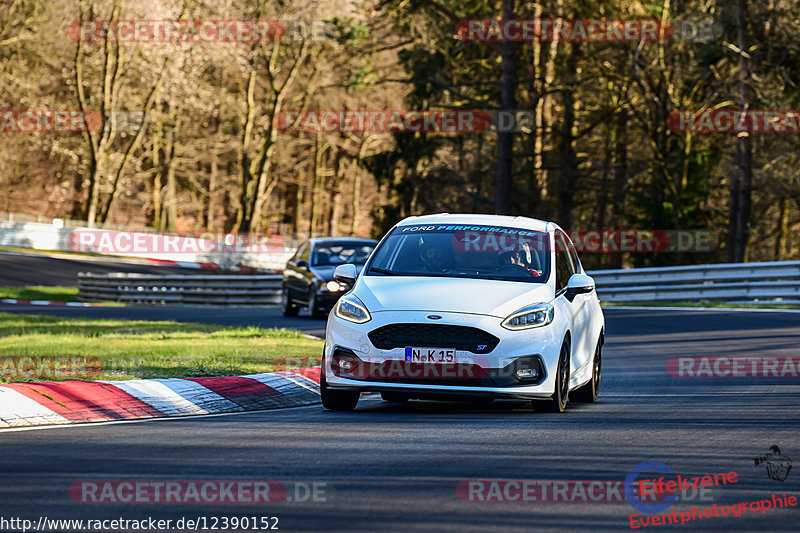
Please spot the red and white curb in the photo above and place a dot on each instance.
(204, 266)
(46, 302)
(207, 266)
(183, 264)
(69, 402)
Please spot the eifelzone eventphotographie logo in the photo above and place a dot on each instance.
(778, 465)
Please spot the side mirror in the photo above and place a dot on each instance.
(346, 274)
(301, 264)
(579, 284)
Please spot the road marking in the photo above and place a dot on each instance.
(165, 419)
(739, 309)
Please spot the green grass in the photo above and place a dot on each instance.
(132, 349)
(660, 303)
(55, 294)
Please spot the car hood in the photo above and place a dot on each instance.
(449, 295)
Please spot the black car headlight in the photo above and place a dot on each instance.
(533, 316)
(352, 309)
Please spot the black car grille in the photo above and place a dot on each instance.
(434, 336)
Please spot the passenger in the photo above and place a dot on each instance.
(436, 255)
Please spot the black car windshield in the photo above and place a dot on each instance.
(481, 252)
(340, 253)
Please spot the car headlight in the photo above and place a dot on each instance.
(352, 309)
(533, 316)
(334, 286)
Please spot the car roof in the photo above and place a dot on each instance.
(331, 240)
(484, 220)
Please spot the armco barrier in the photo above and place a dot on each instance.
(176, 289)
(772, 281)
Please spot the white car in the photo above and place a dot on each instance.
(455, 306)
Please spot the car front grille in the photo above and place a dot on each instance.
(464, 338)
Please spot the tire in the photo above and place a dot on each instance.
(336, 400)
(396, 397)
(588, 393)
(313, 307)
(557, 403)
(287, 307)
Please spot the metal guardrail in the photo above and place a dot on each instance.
(773, 281)
(176, 289)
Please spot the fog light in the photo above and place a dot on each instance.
(528, 369)
(346, 363)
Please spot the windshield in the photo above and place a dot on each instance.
(481, 252)
(340, 253)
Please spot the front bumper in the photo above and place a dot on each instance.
(474, 374)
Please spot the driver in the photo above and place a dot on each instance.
(511, 258)
(516, 258)
(436, 254)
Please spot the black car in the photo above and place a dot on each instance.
(308, 277)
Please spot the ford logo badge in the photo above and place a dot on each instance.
(434, 317)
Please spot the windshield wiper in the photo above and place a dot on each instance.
(382, 271)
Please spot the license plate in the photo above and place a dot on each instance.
(430, 355)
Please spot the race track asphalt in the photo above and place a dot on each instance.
(396, 467)
(267, 317)
(18, 269)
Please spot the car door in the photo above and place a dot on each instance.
(307, 280)
(295, 276)
(572, 310)
(585, 319)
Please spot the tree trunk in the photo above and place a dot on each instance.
(298, 210)
(212, 191)
(569, 160)
(739, 202)
(620, 177)
(264, 182)
(546, 71)
(170, 214)
(135, 142)
(336, 196)
(243, 217)
(505, 140)
(316, 202)
(94, 192)
(89, 209)
(258, 193)
(158, 186)
(605, 173)
(783, 230)
(356, 198)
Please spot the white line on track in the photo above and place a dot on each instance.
(160, 419)
(738, 309)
